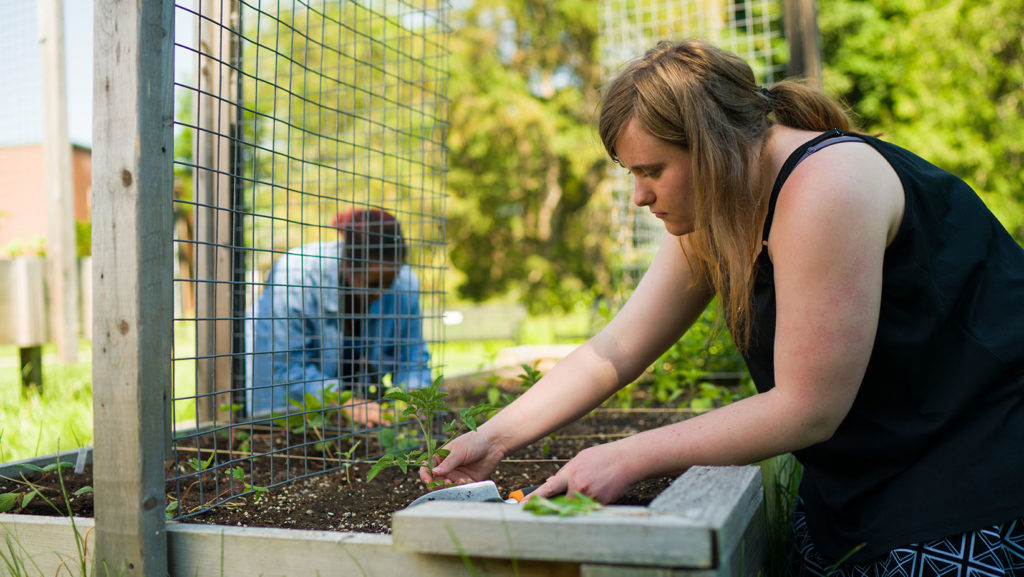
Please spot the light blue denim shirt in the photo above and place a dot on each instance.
(294, 332)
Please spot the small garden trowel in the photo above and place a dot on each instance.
(479, 492)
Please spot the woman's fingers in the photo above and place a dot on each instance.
(554, 486)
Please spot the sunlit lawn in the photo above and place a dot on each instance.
(58, 418)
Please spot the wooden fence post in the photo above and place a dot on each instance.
(215, 112)
(132, 296)
(60, 213)
(804, 38)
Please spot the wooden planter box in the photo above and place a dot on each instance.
(710, 521)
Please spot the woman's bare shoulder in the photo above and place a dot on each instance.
(846, 182)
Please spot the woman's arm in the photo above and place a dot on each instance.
(833, 222)
(664, 304)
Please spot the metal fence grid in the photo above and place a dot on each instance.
(288, 114)
(752, 29)
(21, 113)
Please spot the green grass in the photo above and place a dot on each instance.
(465, 357)
(58, 418)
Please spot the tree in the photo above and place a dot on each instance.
(945, 79)
(530, 212)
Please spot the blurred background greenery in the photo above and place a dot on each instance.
(529, 207)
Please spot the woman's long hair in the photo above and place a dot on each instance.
(707, 101)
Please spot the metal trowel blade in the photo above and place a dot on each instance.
(481, 491)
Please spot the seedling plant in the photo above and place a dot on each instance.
(499, 398)
(422, 406)
(13, 559)
(29, 491)
(236, 473)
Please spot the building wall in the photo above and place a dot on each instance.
(23, 193)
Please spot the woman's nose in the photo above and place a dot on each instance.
(642, 195)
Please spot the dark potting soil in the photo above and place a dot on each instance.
(343, 500)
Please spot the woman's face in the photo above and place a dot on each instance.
(662, 175)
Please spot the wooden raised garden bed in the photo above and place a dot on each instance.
(709, 521)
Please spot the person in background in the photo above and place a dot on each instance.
(878, 303)
(338, 316)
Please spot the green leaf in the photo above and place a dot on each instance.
(7, 501)
(383, 463)
(259, 492)
(396, 394)
(563, 506)
(387, 438)
(58, 466)
(83, 491)
(27, 498)
(230, 408)
(348, 454)
(337, 397)
(701, 403)
(312, 403)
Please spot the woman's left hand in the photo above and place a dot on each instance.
(603, 473)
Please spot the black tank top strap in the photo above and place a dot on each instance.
(817, 143)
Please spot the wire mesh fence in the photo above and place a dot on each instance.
(753, 29)
(309, 237)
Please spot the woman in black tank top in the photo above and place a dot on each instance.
(876, 300)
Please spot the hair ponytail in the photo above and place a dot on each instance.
(797, 105)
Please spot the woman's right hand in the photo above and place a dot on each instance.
(472, 457)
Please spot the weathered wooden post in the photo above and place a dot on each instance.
(132, 297)
(60, 212)
(804, 38)
(23, 315)
(215, 114)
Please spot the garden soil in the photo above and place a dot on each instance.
(343, 500)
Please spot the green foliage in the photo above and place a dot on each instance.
(527, 213)
(680, 376)
(83, 238)
(944, 79)
(238, 474)
(32, 246)
(39, 422)
(781, 478)
(498, 398)
(28, 490)
(422, 406)
(235, 474)
(311, 416)
(341, 104)
(563, 505)
(15, 556)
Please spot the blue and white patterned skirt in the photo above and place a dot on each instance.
(996, 551)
